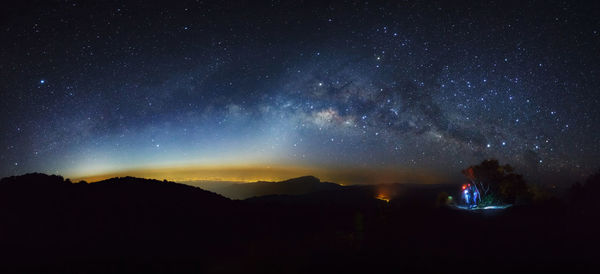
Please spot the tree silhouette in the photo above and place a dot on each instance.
(585, 196)
(497, 183)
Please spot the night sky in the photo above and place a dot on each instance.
(405, 91)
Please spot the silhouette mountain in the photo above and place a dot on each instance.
(52, 188)
(364, 196)
(295, 186)
(53, 220)
(350, 197)
(133, 225)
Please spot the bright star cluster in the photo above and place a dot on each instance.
(90, 88)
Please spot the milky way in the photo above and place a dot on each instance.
(92, 88)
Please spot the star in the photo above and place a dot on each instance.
(348, 86)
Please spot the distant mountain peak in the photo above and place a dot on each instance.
(303, 179)
(294, 186)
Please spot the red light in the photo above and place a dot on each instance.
(464, 187)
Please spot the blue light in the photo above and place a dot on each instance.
(42, 81)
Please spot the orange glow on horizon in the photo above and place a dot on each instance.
(248, 173)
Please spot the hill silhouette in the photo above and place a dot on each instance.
(363, 196)
(125, 225)
(53, 220)
(295, 186)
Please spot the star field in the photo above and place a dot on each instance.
(89, 88)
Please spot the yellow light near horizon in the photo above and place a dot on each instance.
(250, 173)
(208, 173)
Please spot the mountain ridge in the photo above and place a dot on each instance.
(294, 186)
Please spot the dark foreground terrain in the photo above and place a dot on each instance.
(48, 225)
